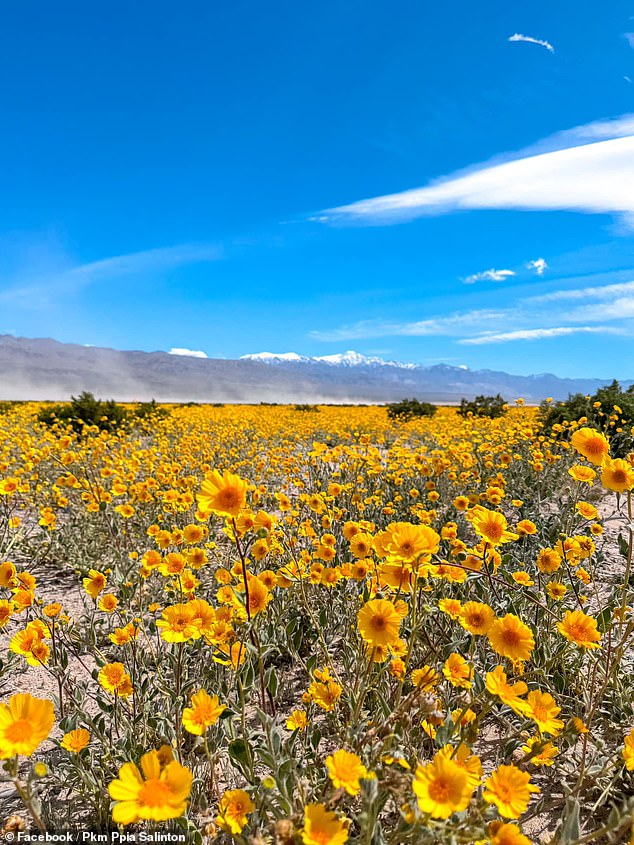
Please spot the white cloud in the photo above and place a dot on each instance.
(539, 265)
(188, 353)
(536, 334)
(593, 173)
(629, 37)
(489, 275)
(529, 40)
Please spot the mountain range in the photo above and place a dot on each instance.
(41, 368)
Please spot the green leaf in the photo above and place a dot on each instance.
(623, 545)
(605, 618)
(271, 681)
(239, 751)
(570, 827)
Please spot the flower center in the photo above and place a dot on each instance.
(439, 791)
(154, 793)
(229, 498)
(19, 731)
(511, 638)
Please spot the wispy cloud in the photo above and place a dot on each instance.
(539, 265)
(489, 276)
(41, 289)
(188, 353)
(536, 334)
(589, 169)
(452, 324)
(586, 293)
(607, 309)
(529, 40)
(629, 37)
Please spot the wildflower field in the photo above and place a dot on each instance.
(259, 624)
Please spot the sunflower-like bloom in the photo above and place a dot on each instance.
(548, 560)
(379, 622)
(224, 494)
(361, 545)
(541, 751)
(233, 810)
(452, 607)
(204, 712)
(512, 638)
(325, 695)
(580, 629)
(6, 609)
(592, 444)
(95, 583)
(346, 770)
(457, 671)
(322, 827)
(30, 643)
(158, 792)
(75, 741)
(509, 694)
(509, 788)
(407, 543)
(463, 757)
(178, 624)
(476, 617)
(491, 526)
(506, 833)
(442, 787)
(8, 575)
(297, 721)
(25, 722)
(259, 595)
(617, 475)
(542, 708)
(113, 678)
(582, 473)
(425, 678)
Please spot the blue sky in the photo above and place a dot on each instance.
(396, 178)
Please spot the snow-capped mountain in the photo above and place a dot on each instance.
(343, 359)
(273, 357)
(41, 368)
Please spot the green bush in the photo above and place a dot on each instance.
(610, 409)
(5, 407)
(86, 410)
(483, 406)
(306, 407)
(150, 411)
(408, 409)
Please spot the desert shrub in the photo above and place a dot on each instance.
(483, 406)
(610, 409)
(85, 410)
(150, 411)
(408, 409)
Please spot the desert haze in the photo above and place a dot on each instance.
(41, 369)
